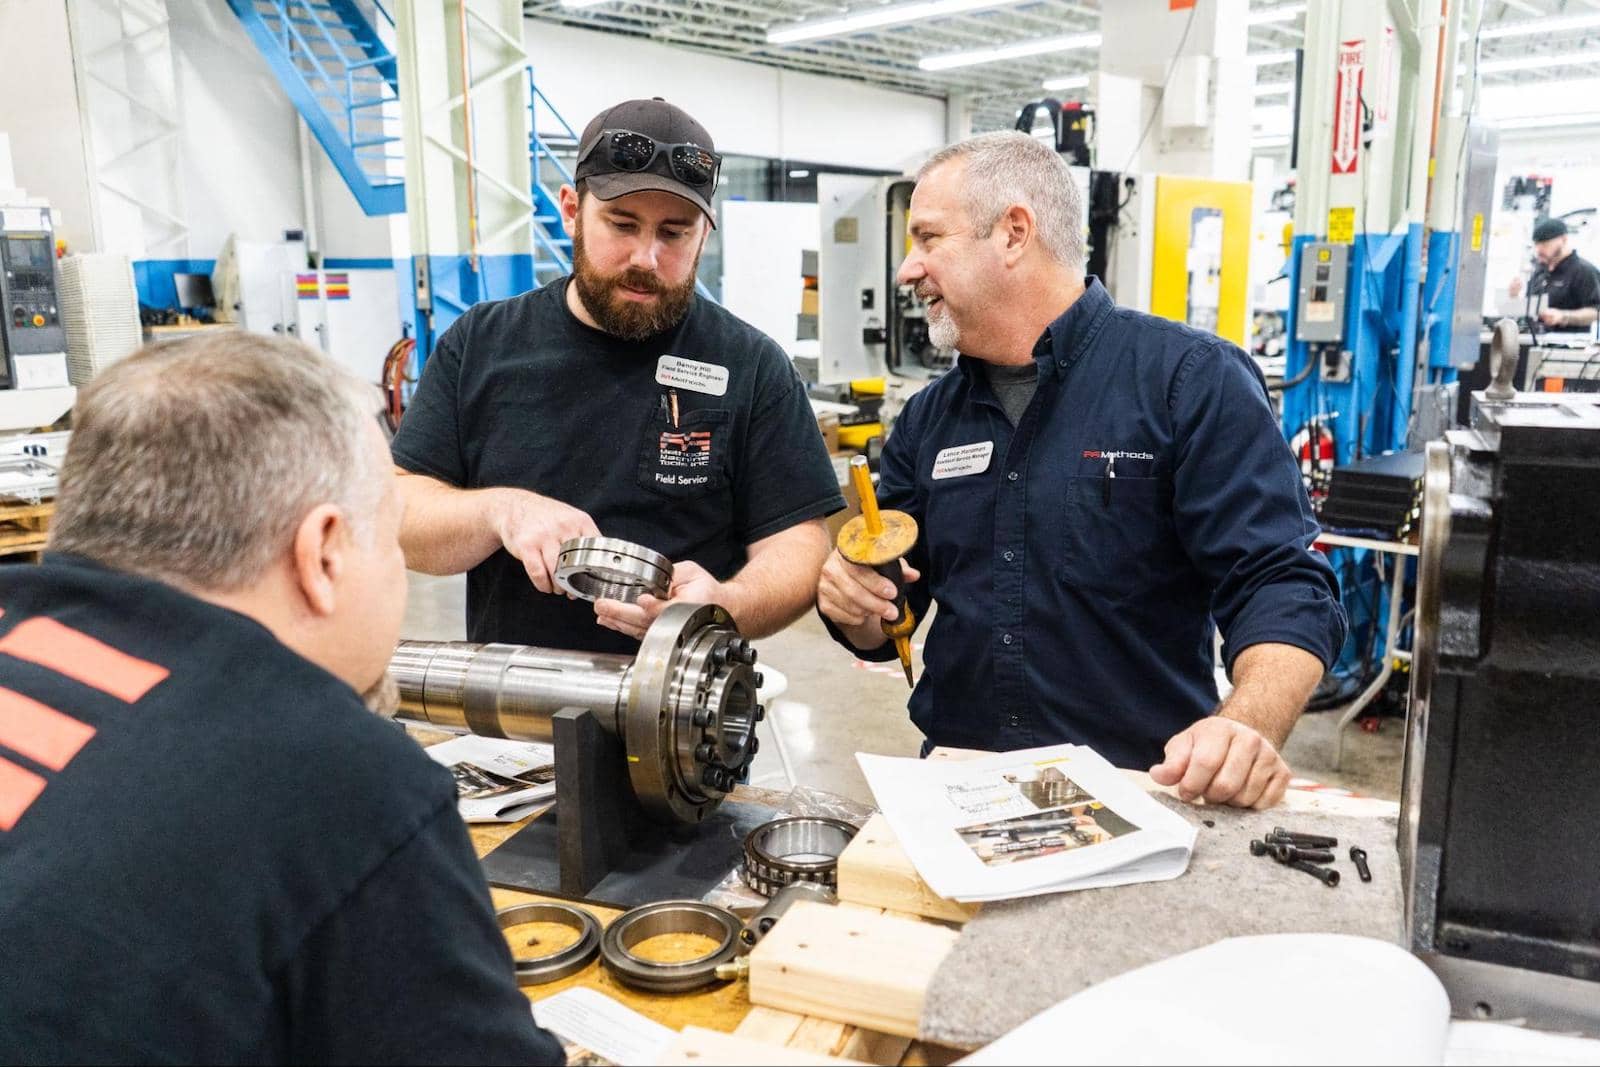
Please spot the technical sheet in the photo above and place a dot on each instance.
(1018, 824)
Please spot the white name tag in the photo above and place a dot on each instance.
(962, 460)
(691, 374)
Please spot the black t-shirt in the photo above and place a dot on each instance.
(696, 443)
(1573, 284)
(211, 852)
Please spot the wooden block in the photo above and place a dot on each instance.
(699, 1047)
(874, 870)
(849, 966)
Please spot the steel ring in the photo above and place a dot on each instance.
(606, 568)
(669, 917)
(537, 970)
(803, 849)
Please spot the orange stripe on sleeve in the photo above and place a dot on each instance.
(83, 658)
(18, 790)
(39, 732)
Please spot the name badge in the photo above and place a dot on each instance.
(962, 460)
(691, 374)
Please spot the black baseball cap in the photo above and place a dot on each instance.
(1549, 230)
(662, 122)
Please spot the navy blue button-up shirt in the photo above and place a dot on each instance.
(1079, 559)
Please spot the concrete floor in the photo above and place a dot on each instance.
(835, 706)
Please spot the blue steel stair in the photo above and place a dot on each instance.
(341, 77)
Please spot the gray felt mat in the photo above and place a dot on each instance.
(1019, 957)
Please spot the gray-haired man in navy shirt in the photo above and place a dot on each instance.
(1097, 488)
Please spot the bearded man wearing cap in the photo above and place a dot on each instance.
(1570, 283)
(616, 402)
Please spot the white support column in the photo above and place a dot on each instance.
(1201, 127)
(128, 96)
(467, 190)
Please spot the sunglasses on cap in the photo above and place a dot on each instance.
(632, 152)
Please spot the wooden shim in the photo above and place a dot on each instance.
(874, 870)
(870, 1046)
(849, 966)
(822, 1036)
(700, 1047)
(769, 1025)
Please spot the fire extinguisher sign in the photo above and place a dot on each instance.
(1347, 107)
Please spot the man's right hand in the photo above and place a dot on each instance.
(532, 528)
(858, 599)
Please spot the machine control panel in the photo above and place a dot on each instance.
(30, 316)
(1320, 304)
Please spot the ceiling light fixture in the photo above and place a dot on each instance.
(874, 18)
(1043, 46)
(1273, 88)
(581, 3)
(1530, 27)
(1269, 59)
(1570, 59)
(1286, 13)
(1070, 82)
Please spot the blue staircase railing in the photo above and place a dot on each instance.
(548, 235)
(339, 74)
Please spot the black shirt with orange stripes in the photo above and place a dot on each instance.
(210, 851)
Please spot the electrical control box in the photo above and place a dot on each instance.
(1320, 304)
(32, 337)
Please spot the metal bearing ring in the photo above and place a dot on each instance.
(669, 917)
(537, 970)
(606, 568)
(804, 849)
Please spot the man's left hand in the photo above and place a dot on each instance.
(690, 582)
(1226, 762)
(1553, 317)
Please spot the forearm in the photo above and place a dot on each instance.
(779, 579)
(1579, 317)
(1271, 684)
(446, 530)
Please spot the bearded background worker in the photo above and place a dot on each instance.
(616, 402)
(1093, 486)
(1570, 283)
(211, 852)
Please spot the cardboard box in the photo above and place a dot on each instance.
(828, 425)
(810, 302)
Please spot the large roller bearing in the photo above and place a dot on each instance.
(692, 712)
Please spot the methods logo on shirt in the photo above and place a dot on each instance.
(1095, 453)
(682, 457)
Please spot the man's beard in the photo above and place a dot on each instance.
(616, 314)
(942, 330)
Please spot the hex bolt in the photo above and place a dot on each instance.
(1288, 837)
(709, 777)
(1259, 848)
(760, 679)
(761, 712)
(1358, 856)
(1289, 853)
(705, 752)
(755, 746)
(1326, 875)
(719, 655)
(701, 716)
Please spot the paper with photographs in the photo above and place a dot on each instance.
(498, 780)
(1017, 824)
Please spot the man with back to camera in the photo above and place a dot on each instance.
(1093, 485)
(211, 851)
(617, 402)
(1570, 283)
